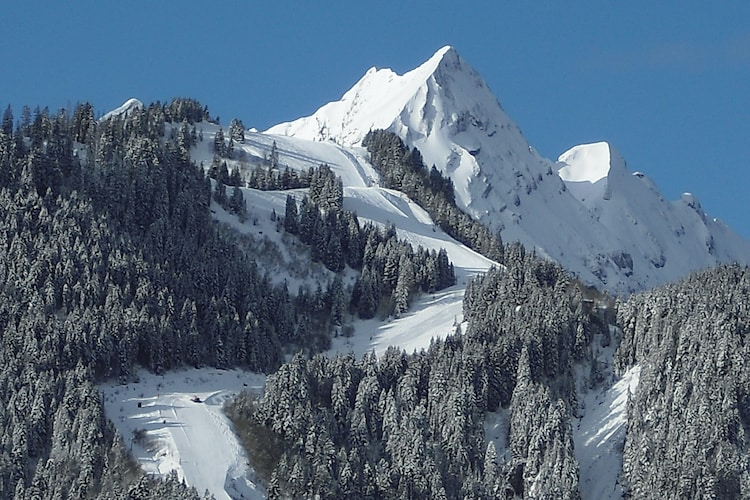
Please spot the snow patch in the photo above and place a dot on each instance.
(124, 110)
(432, 316)
(585, 163)
(496, 425)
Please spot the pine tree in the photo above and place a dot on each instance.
(7, 124)
(229, 153)
(404, 286)
(273, 157)
(338, 301)
(334, 259)
(237, 131)
(367, 296)
(220, 147)
(290, 215)
(237, 203)
(235, 179)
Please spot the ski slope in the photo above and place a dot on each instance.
(167, 431)
(430, 316)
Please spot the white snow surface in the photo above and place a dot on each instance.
(611, 229)
(657, 240)
(585, 163)
(350, 164)
(125, 109)
(194, 439)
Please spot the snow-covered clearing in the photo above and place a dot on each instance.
(432, 316)
(496, 430)
(166, 430)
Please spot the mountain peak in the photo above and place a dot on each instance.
(446, 55)
(382, 97)
(446, 50)
(627, 237)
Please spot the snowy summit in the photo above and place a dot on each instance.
(124, 110)
(446, 110)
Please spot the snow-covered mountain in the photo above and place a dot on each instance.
(196, 440)
(610, 227)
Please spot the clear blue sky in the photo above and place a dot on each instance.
(666, 83)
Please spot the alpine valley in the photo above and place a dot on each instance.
(395, 297)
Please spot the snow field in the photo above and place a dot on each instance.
(430, 317)
(600, 436)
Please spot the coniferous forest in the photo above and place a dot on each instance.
(110, 260)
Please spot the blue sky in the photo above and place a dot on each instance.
(666, 83)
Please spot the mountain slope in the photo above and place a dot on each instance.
(445, 109)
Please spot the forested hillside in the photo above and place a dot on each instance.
(411, 425)
(689, 422)
(110, 260)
